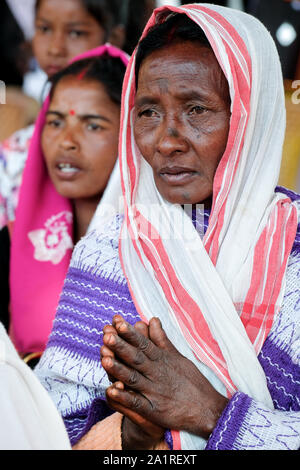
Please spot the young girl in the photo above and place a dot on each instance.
(72, 153)
(62, 31)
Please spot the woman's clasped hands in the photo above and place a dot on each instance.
(154, 386)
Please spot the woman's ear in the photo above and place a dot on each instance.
(117, 36)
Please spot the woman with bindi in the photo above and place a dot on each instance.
(80, 138)
(71, 157)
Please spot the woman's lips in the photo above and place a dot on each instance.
(66, 171)
(177, 176)
(52, 69)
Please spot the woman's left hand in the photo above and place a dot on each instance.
(137, 432)
(165, 388)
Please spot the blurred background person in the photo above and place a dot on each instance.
(15, 52)
(71, 156)
(62, 31)
(14, 36)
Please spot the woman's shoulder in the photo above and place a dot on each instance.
(19, 140)
(98, 250)
(13, 152)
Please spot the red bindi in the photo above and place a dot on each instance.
(72, 112)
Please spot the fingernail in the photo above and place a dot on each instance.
(107, 362)
(117, 318)
(122, 327)
(112, 339)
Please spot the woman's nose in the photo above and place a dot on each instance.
(171, 141)
(56, 45)
(69, 141)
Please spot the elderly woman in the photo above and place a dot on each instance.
(205, 252)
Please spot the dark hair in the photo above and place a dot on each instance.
(177, 27)
(139, 11)
(12, 40)
(108, 13)
(107, 70)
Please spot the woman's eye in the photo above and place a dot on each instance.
(55, 123)
(197, 110)
(77, 34)
(93, 126)
(148, 113)
(43, 29)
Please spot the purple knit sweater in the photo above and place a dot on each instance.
(95, 290)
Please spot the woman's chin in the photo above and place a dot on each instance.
(198, 192)
(185, 197)
(67, 193)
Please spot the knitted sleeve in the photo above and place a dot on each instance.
(70, 369)
(249, 425)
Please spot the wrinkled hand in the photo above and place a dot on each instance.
(137, 432)
(165, 388)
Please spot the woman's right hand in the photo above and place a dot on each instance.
(137, 432)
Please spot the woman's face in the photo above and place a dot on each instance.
(63, 29)
(182, 113)
(80, 138)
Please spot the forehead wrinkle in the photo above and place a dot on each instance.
(182, 92)
(203, 73)
(180, 66)
(163, 84)
(186, 85)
